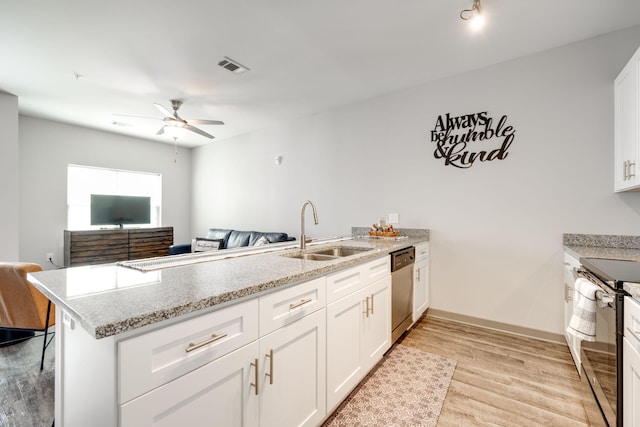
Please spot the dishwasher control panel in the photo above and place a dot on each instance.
(403, 258)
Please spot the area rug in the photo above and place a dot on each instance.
(407, 388)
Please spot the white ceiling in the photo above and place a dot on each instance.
(305, 56)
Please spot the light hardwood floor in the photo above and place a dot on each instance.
(503, 379)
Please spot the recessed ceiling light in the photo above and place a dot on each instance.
(233, 66)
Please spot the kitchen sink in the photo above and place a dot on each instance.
(328, 254)
(342, 251)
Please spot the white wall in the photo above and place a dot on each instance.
(9, 190)
(47, 147)
(496, 228)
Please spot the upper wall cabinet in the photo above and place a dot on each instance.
(626, 125)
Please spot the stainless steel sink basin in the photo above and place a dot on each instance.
(328, 254)
(313, 257)
(342, 251)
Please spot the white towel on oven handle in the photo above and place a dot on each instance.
(583, 320)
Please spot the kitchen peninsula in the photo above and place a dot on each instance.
(239, 338)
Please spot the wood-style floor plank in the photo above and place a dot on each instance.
(503, 379)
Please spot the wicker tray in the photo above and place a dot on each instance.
(383, 233)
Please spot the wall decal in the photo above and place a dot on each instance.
(462, 141)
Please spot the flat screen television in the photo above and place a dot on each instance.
(119, 210)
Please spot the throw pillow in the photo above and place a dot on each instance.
(261, 241)
(203, 245)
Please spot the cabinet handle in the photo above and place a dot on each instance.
(366, 310)
(624, 170)
(298, 304)
(257, 376)
(418, 275)
(270, 373)
(567, 293)
(213, 338)
(372, 304)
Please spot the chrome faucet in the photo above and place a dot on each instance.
(303, 238)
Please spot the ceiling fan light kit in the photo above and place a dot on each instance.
(474, 16)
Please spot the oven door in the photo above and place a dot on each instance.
(599, 358)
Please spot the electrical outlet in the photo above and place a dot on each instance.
(49, 256)
(393, 218)
(68, 320)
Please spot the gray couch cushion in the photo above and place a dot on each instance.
(219, 233)
(238, 238)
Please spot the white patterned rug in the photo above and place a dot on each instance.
(407, 388)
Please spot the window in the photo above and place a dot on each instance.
(82, 181)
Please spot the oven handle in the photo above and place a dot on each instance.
(605, 297)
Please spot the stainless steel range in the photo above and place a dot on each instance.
(602, 358)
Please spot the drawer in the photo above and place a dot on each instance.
(280, 308)
(155, 358)
(632, 322)
(352, 279)
(422, 251)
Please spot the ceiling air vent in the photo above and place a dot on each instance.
(233, 66)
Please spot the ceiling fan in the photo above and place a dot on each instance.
(173, 120)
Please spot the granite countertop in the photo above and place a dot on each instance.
(109, 299)
(625, 248)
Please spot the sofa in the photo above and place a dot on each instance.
(229, 239)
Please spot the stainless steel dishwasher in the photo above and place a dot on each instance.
(401, 290)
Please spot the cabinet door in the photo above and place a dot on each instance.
(420, 288)
(218, 394)
(376, 325)
(344, 361)
(574, 344)
(626, 122)
(293, 378)
(631, 385)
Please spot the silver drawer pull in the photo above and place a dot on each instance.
(213, 338)
(255, 384)
(270, 373)
(298, 304)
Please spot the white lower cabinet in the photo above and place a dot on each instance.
(570, 263)
(218, 394)
(293, 366)
(420, 281)
(358, 335)
(631, 385)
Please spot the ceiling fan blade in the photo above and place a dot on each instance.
(163, 110)
(204, 122)
(161, 131)
(198, 131)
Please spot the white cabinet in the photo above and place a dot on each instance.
(421, 281)
(626, 126)
(155, 358)
(220, 393)
(631, 364)
(358, 335)
(293, 373)
(570, 264)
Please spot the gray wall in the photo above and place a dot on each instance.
(496, 227)
(9, 169)
(47, 147)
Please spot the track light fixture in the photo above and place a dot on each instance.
(473, 15)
